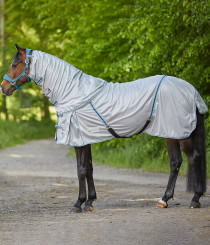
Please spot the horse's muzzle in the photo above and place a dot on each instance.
(6, 91)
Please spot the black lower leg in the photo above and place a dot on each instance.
(82, 190)
(175, 164)
(169, 193)
(195, 200)
(195, 181)
(91, 190)
(196, 197)
(90, 181)
(82, 154)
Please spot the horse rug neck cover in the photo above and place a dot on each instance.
(87, 106)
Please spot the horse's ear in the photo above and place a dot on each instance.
(19, 49)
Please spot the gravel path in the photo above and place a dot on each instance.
(38, 185)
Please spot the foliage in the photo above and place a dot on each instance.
(119, 41)
(17, 31)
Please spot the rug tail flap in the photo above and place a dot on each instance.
(200, 104)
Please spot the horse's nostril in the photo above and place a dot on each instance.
(4, 91)
(7, 91)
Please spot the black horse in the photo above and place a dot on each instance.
(193, 146)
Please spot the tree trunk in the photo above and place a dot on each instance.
(46, 108)
(45, 113)
(4, 105)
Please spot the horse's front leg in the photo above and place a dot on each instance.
(82, 162)
(90, 182)
(84, 171)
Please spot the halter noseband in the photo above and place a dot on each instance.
(13, 82)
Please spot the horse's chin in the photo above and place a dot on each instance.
(10, 93)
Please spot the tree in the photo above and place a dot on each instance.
(19, 29)
(3, 53)
(121, 40)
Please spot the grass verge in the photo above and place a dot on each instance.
(13, 133)
(145, 152)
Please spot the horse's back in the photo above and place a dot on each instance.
(126, 107)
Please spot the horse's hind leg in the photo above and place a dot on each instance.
(195, 149)
(90, 182)
(175, 163)
(194, 170)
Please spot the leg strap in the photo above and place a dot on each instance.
(111, 130)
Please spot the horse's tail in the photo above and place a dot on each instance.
(197, 178)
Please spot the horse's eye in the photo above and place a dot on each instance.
(14, 65)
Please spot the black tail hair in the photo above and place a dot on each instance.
(197, 181)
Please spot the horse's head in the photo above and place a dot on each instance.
(17, 74)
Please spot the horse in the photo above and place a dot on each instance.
(101, 103)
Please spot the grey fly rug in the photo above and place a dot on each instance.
(87, 107)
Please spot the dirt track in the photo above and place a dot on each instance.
(38, 185)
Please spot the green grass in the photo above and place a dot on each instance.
(13, 133)
(141, 152)
(144, 152)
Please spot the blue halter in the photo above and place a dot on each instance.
(13, 82)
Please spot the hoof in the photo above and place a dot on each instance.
(162, 204)
(195, 205)
(76, 210)
(88, 208)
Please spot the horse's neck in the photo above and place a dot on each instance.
(68, 86)
(48, 68)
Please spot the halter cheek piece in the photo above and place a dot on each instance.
(13, 82)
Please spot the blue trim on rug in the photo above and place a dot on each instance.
(99, 115)
(153, 105)
(39, 81)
